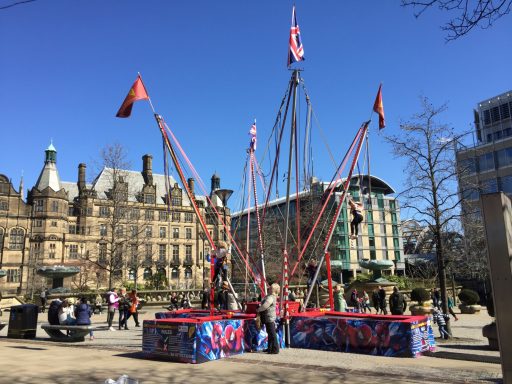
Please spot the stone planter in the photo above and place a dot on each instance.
(421, 310)
(491, 333)
(469, 309)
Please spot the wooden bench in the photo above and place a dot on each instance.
(73, 332)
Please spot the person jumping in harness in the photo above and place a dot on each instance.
(221, 264)
(356, 209)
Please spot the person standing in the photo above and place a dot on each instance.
(437, 298)
(365, 302)
(375, 300)
(354, 300)
(267, 311)
(83, 313)
(225, 299)
(44, 297)
(450, 308)
(397, 303)
(124, 309)
(382, 300)
(440, 318)
(113, 304)
(340, 305)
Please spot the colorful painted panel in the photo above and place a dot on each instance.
(365, 335)
(173, 341)
(257, 340)
(219, 339)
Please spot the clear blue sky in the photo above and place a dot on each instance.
(211, 67)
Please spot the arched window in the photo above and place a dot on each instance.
(131, 274)
(188, 273)
(148, 273)
(175, 273)
(162, 272)
(16, 238)
(1, 238)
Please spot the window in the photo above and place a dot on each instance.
(369, 216)
(176, 254)
(504, 157)
(188, 253)
(149, 252)
(134, 230)
(73, 251)
(486, 162)
(176, 216)
(392, 205)
(1, 238)
(396, 244)
(133, 253)
(102, 253)
(131, 274)
(175, 233)
(54, 224)
(162, 252)
(149, 231)
(13, 275)
(149, 215)
(188, 273)
(176, 201)
(149, 198)
(39, 223)
(397, 255)
(16, 239)
(38, 205)
(371, 242)
(489, 186)
(36, 251)
(394, 230)
(163, 232)
(495, 114)
(393, 218)
(467, 166)
(373, 254)
(175, 273)
(188, 233)
(371, 230)
(506, 184)
(120, 230)
(162, 215)
(104, 211)
(103, 229)
(148, 273)
(55, 206)
(3, 205)
(71, 229)
(51, 254)
(189, 217)
(134, 214)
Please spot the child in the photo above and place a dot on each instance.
(356, 209)
(440, 318)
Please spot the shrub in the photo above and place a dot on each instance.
(420, 295)
(490, 305)
(469, 297)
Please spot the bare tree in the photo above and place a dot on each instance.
(430, 193)
(468, 13)
(122, 229)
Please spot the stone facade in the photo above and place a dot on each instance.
(119, 229)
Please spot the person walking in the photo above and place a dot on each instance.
(365, 302)
(450, 308)
(354, 300)
(113, 305)
(83, 313)
(133, 310)
(340, 305)
(382, 301)
(440, 319)
(267, 311)
(397, 303)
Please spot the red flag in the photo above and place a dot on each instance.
(137, 92)
(378, 107)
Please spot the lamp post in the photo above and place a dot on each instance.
(224, 195)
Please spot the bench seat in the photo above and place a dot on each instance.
(73, 332)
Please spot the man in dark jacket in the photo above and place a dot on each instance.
(397, 303)
(375, 300)
(83, 313)
(382, 300)
(53, 312)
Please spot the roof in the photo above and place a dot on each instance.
(49, 177)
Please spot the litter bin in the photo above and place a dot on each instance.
(23, 322)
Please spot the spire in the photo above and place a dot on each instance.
(21, 186)
(49, 176)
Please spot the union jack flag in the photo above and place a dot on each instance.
(296, 52)
(252, 133)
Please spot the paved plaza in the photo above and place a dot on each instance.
(465, 359)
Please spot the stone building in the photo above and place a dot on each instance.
(118, 229)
